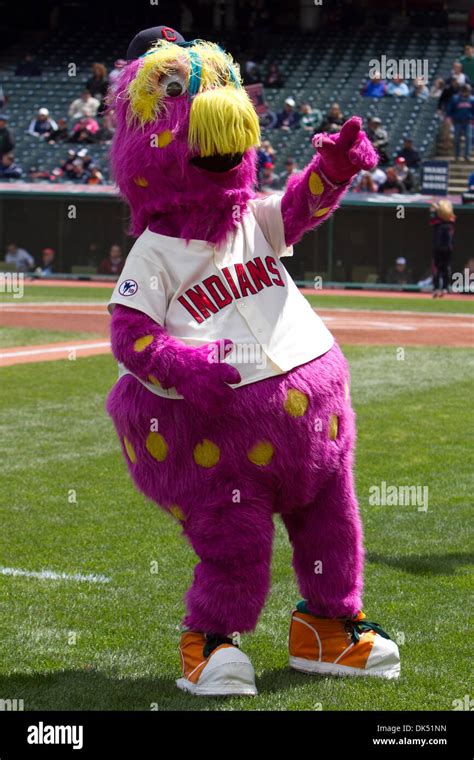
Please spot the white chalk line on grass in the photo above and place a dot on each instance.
(51, 575)
(55, 349)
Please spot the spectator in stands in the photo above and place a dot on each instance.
(461, 112)
(419, 89)
(375, 87)
(114, 263)
(291, 167)
(274, 77)
(334, 120)
(22, 260)
(470, 183)
(378, 136)
(60, 134)
(85, 131)
(97, 84)
(85, 105)
(109, 125)
(43, 125)
(311, 118)
(392, 184)
(365, 184)
(28, 67)
(265, 155)
(8, 168)
(78, 171)
(94, 176)
(116, 71)
(397, 88)
(288, 118)
(399, 274)
(437, 88)
(404, 175)
(410, 154)
(7, 143)
(451, 88)
(458, 74)
(442, 220)
(378, 175)
(268, 179)
(467, 62)
(251, 72)
(3, 98)
(47, 262)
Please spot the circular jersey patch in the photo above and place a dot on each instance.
(128, 288)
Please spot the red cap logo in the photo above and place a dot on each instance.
(168, 34)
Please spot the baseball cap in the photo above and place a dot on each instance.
(290, 102)
(143, 41)
(3, 117)
(401, 260)
(43, 112)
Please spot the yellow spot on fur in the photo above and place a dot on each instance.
(177, 512)
(346, 390)
(154, 381)
(157, 446)
(261, 454)
(315, 184)
(333, 427)
(141, 181)
(141, 343)
(206, 454)
(164, 138)
(322, 211)
(296, 403)
(130, 450)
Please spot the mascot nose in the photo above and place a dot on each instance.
(222, 121)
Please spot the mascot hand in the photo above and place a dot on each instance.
(202, 376)
(346, 153)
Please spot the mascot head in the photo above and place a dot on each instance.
(183, 152)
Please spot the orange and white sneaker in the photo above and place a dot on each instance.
(214, 667)
(341, 646)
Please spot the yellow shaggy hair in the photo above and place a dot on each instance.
(223, 120)
(146, 99)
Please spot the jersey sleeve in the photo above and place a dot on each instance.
(142, 286)
(267, 212)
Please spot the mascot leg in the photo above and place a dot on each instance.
(231, 582)
(329, 634)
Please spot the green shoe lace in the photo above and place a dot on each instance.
(357, 627)
(354, 627)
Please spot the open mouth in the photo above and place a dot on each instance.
(218, 163)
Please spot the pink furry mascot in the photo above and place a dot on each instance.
(232, 402)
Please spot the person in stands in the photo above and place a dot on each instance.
(114, 263)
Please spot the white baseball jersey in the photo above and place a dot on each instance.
(200, 292)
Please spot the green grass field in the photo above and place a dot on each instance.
(40, 293)
(25, 336)
(68, 506)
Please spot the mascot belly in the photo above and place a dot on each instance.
(233, 399)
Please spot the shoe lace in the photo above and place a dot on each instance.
(214, 640)
(356, 626)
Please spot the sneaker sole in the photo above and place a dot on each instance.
(330, 669)
(230, 689)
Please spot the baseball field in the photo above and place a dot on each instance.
(92, 576)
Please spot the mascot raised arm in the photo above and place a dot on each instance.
(232, 403)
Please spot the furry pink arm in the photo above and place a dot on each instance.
(316, 192)
(199, 374)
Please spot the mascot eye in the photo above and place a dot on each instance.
(173, 86)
